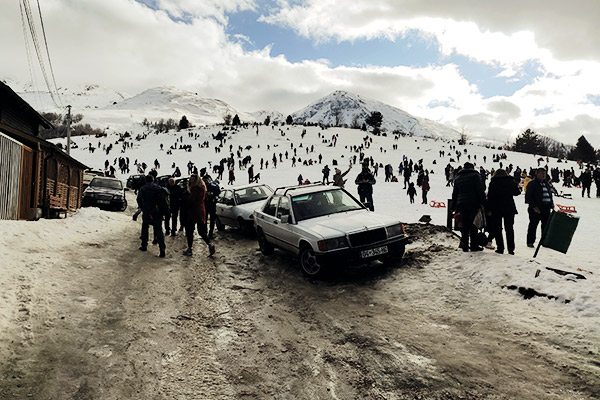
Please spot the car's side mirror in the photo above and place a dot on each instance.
(127, 189)
(285, 219)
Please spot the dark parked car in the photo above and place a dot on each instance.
(89, 174)
(105, 192)
(135, 182)
(163, 180)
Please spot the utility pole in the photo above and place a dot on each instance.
(69, 130)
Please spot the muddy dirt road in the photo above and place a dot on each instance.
(110, 322)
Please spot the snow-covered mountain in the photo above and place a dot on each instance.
(260, 116)
(111, 110)
(342, 108)
(168, 102)
(82, 98)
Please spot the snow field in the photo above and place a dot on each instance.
(489, 268)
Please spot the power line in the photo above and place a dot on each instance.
(36, 45)
(29, 61)
(48, 52)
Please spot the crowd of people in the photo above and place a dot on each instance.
(192, 207)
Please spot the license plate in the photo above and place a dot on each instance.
(377, 251)
(103, 202)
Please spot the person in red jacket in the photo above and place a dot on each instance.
(196, 214)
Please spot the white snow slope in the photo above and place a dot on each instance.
(389, 198)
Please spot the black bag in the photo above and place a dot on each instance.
(481, 239)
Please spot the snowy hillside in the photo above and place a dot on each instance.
(341, 108)
(83, 98)
(390, 198)
(260, 116)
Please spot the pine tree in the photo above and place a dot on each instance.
(289, 120)
(375, 120)
(236, 120)
(529, 142)
(583, 151)
(267, 120)
(184, 123)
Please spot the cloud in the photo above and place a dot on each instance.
(129, 47)
(568, 30)
(506, 110)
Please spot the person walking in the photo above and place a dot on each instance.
(365, 181)
(196, 214)
(539, 198)
(586, 182)
(468, 196)
(411, 192)
(325, 172)
(501, 207)
(425, 188)
(212, 193)
(152, 201)
(174, 203)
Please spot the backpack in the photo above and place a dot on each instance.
(161, 201)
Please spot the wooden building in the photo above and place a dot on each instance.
(36, 177)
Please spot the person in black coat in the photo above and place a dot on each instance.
(501, 206)
(175, 193)
(365, 181)
(212, 193)
(586, 182)
(539, 198)
(148, 200)
(468, 196)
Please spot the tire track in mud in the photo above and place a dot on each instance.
(368, 332)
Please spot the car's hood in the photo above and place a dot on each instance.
(103, 190)
(335, 225)
(250, 207)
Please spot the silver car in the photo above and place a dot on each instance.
(236, 205)
(326, 226)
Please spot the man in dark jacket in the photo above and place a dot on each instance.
(210, 202)
(539, 198)
(501, 206)
(468, 196)
(365, 181)
(586, 182)
(152, 200)
(175, 205)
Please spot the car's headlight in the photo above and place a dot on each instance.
(88, 194)
(332, 244)
(118, 196)
(395, 230)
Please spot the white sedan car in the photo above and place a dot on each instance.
(326, 226)
(236, 205)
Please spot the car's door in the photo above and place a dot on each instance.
(285, 230)
(268, 220)
(225, 206)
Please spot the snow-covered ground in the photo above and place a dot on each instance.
(390, 198)
(27, 248)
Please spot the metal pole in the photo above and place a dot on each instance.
(69, 130)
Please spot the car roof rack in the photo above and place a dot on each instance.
(288, 188)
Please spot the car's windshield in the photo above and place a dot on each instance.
(251, 194)
(318, 204)
(107, 183)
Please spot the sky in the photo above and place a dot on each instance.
(492, 69)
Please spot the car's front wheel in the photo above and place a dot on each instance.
(309, 263)
(395, 258)
(266, 248)
(123, 206)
